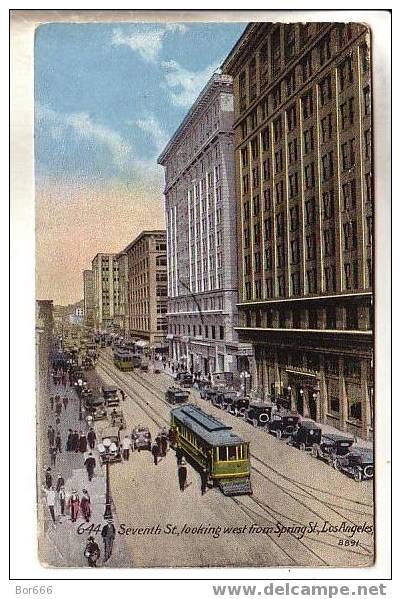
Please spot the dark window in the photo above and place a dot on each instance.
(325, 90)
(307, 105)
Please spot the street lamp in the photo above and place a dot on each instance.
(245, 375)
(106, 457)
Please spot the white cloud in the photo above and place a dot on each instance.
(184, 85)
(146, 41)
(85, 128)
(158, 136)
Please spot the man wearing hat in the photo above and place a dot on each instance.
(182, 474)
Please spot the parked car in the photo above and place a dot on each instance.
(185, 379)
(141, 438)
(306, 434)
(238, 407)
(110, 394)
(358, 462)
(176, 395)
(210, 393)
(110, 445)
(332, 445)
(258, 413)
(283, 424)
(203, 387)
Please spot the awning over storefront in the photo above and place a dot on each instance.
(142, 343)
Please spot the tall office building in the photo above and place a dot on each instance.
(88, 298)
(147, 289)
(201, 234)
(303, 151)
(105, 291)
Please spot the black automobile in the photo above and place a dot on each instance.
(283, 424)
(185, 379)
(238, 407)
(258, 413)
(331, 446)
(306, 434)
(203, 387)
(358, 462)
(210, 394)
(96, 407)
(110, 395)
(176, 395)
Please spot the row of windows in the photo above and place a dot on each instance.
(204, 331)
(277, 286)
(330, 318)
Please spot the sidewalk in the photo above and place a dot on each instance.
(62, 546)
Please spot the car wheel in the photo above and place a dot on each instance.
(336, 464)
(358, 476)
(278, 434)
(302, 446)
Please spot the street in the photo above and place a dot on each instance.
(302, 512)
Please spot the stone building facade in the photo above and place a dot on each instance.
(303, 157)
(105, 291)
(88, 298)
(201, 234)
(147, 289)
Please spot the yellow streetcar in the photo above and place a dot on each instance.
(223, 456)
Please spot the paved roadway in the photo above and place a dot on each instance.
(290, 490)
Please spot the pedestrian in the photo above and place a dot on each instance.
(61, 498)
(159, 443)
(126, 447)
(90, 465)
(65, 401)
(58, 442)
(59, 483)
(92, 552)
(91, 437)
(172, 436)
(155, 452)
(163, 444)
(52, 403)
(53, 455)
(69, 440)
(64, 380)
(83, 444)
(108, 535)
(85, 505)
(50, 500)
(50, 435)
(73, 505)
(58, 409)
(75, 441)
(182, 474)
(54, 375)
(203, 481)
(48, 478)
(178, 455)
(122, 395)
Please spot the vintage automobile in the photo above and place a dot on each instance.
(283, 423)
(117, 418)
(141, 438)
(210, 393)
(203, 387)
(110, 395)
(185, 379)
(305, 435)
(331, 446)
(95, 406)
(145, 366)
(110, 446)
(258, 413)
(87, 363)
(223, 398)
(358, 462)
(176, 395)
(238, 407)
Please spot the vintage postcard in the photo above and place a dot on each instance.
(204, 196)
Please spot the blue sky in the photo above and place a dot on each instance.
(108, 96)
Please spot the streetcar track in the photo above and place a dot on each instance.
(139, 379)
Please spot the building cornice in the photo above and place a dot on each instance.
(217, 82)
(161, 232)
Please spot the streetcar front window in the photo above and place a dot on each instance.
(232, 452)
(222, 454)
